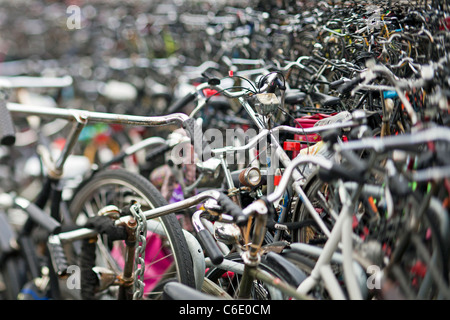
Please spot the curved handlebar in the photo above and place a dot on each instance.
(84, 115)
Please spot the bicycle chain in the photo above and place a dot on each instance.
(139, 257)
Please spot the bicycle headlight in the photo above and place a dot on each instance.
(267, 103)
(250, 177)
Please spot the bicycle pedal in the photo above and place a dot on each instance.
(57, 255)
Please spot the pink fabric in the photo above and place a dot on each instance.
(155, 264)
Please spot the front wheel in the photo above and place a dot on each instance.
(167, 254)
(229, 281)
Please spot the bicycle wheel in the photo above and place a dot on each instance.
(420, 257)
(312, 234)
(229, 281)
(167, 254)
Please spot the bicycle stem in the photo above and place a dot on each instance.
(252, 256)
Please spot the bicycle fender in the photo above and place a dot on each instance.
(289, 271)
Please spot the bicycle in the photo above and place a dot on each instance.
(51, 195)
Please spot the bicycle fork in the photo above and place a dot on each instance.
(252, 256)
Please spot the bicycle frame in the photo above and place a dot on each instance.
(341, 234)
(274, 149)
(51, 188)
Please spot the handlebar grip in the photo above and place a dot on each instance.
(337, 83)
(178, 105)
(232, 209)
(348, 86)
(317, 59)
(201, 146)
(7, 131)
(118, 158)
(341, 172)
(309, 70)
(354, 160)
(209, 244)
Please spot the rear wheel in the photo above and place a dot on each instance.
(311, 234)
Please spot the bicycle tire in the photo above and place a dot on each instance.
(406, 257)
(304, 263)
(230, 281)
(301, 213)
(124, 181)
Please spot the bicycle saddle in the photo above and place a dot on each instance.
(294, 97)
(324, 99)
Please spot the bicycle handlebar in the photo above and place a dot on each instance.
(403, 141)
(348, 86)
(297, 63)
(230, 207)
(301, 131)
(35, 82)
(92, 116)
(206, 239)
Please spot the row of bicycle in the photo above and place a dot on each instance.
(338, 206)
(300, 175)
(114, 69)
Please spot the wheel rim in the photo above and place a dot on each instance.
(159, 260)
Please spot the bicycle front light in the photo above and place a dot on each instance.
(250, 177)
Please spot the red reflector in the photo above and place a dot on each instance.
(276, 180)
(209, 92)
(291, 146)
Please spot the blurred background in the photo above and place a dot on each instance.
(144, 44)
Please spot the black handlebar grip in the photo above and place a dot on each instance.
(341, 172)
(118, 158)
(178, 105)
(7, 131)
(210, 246)
(337, 83)
(309, 70)
(231, 208)
(354, 160)
(317, 59)
(201, 146)
(348, 86)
